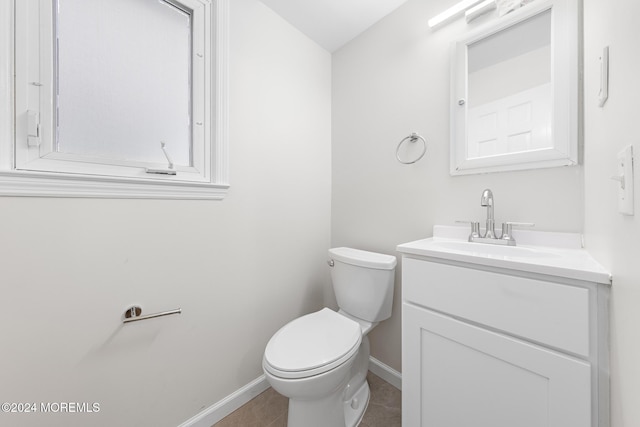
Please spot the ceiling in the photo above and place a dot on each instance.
(332, 23)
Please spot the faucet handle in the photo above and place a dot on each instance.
(507, 229)
(475, 228)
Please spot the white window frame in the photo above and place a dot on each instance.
(40, 171)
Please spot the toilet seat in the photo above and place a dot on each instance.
(312, 344)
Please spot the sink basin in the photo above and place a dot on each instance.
(493, 251)
(539, 252)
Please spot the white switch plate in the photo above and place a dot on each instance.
(625, 191)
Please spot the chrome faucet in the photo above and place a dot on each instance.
(505, 238)
(487, 201)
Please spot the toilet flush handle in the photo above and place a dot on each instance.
(331, 263)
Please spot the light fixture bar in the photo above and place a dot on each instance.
(453, 12)
(480, 9)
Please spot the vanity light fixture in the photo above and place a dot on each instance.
(479, 9)
(453, 12)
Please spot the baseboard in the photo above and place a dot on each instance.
(221, 409)
(385, 372)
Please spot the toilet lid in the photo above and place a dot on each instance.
(321, 339)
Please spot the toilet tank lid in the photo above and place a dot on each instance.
(363, 258)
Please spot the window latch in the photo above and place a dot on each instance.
(33, 128)
(170, 170)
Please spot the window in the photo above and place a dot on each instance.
(118, 98)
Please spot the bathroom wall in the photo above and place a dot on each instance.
(387, 83)
(239, 268)
(614, 239)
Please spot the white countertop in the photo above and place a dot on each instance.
(549, 253)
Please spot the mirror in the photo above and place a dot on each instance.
(514, 94)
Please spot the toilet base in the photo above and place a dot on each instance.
(337, 398)
(327, 412)
(355, 407)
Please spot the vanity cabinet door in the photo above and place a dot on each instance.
(456, 374)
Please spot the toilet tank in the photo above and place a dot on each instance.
(363, 282)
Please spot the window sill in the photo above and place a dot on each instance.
(33, 184)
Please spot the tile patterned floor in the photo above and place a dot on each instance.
(269, 409)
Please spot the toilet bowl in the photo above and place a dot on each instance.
(320, 360)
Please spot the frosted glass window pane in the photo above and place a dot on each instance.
(124, 80)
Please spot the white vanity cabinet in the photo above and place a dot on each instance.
(489, 346)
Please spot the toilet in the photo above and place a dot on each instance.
(320, 360)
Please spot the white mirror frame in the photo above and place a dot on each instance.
(565, 84)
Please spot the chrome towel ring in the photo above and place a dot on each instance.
(412, 138)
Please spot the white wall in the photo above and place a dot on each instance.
(613, 238)
(387, 83)
(239, 269)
